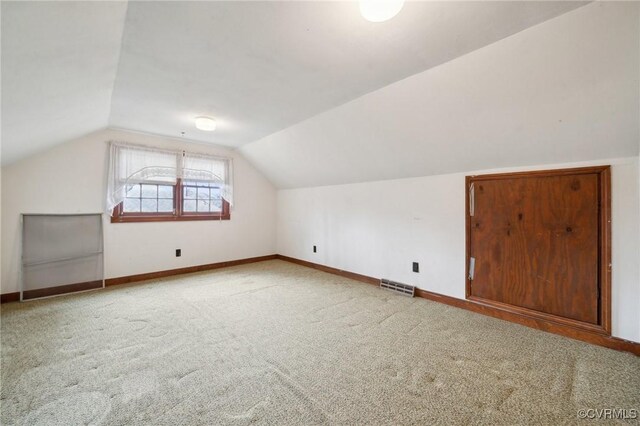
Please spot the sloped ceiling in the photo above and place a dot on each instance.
(59, 62)
(69, 68)
(259, 67)
(566, 90)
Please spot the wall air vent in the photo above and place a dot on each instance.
(396, 287)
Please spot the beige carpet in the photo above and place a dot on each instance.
(277, 343)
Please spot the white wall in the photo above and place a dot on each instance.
(564, 91)
(71, 178)
(379, 228)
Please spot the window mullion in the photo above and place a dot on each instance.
(177, 198)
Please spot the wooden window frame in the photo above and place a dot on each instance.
(178, 215)
(604, 248)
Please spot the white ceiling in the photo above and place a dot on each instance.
(567, 90)
(69, 68)
(59, 62)
(260, 67)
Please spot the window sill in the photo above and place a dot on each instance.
(160, 218)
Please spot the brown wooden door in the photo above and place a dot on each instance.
(535, 241)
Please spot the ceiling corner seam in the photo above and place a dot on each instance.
(117, 72)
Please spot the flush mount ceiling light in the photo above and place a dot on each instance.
(380, 10)
(206, 124)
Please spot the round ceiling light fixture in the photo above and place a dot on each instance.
(380, 10)
(206, 124)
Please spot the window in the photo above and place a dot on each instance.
(154, 202)
(201, 197)
(154, 185)
(147, 198)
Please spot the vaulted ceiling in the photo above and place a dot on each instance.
(69, 68)
(564, 91)
(59, 65)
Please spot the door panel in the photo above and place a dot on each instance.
(535, 240)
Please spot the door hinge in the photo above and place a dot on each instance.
(472, 267)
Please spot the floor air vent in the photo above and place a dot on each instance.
(407, 290)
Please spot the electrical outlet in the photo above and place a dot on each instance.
(416, 267)
(178, 252)
(314, 249)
